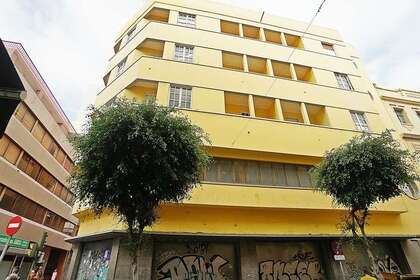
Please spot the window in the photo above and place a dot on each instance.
(11, 151)
(121, 66)
(402, 117)
(236, 171)
(26, 117)
(329, 48)
(236, 103)
(229, 27)
(359, 121)
(184, 53)
(186, 19)
(180, 97)
(130, 34)
(29, 166)
(343, 81)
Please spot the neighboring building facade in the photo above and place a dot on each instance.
(273, 102)
(35, 161)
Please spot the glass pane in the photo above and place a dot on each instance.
(253, 173)
(291, 175)
(12, 153)
(239, 167)
(226, 171)
(46, 141)
(39, 214)
(4, 141)
(8, 200)
(266, 173)
(304, 178)
(60, 155)
(38, 132)
(20, 111)
(28, 120)
(279, 175)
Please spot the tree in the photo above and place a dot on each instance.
(366, 170)
(133, 157)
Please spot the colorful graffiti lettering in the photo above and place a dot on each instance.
(94, 264)
(302, 266)
(192, 267)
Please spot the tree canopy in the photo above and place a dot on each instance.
(131, 157)
(366, 170)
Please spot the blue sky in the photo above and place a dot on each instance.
(70, 41)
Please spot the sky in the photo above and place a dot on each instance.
(70, 41)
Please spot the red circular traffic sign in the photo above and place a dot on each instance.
(14, 225)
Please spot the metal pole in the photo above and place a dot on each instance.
(6, 246)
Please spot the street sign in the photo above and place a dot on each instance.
(337, 251)
(14, 242)
(13, 226)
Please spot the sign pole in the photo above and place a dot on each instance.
(6, 246)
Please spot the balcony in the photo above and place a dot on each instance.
(236, 103)
(150, 47)
(267, 135)
(158, 14)
(141, 91)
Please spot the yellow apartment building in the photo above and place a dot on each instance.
(273, 100)
(35, 161)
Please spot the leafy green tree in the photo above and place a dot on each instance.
(133, 157)
(366, 170)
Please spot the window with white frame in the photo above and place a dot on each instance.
(186, 19)
(121, 66)
(359, 120)
(343, 81)
(180, 96)
(184, 53)
(402, 117)
(129, 35)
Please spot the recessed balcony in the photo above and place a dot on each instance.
(272, 36)
(281, 69)
(257, 65)
(251, 32)
(229, 27)
(317, 114)
(158, 14)
(233, 61)
(293, 41)
(151, 47)
(304, 73)
(291, 111)
(141, 91)
(236, 103)
(264, 107)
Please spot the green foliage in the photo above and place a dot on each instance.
(132, 157)
(366, 170)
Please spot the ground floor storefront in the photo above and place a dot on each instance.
(52, 258)
(164, 257)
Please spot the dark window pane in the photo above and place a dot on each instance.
(8, 200)
(266, 173)
(279, 176)
(253, 173)
(291, 175)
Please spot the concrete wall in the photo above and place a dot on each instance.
(185, 258)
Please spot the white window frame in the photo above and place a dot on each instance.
(401, 116)
(184, 53)
(343, 81)
(180, 96)
(121, 66)
(360, 121)
(186, 19)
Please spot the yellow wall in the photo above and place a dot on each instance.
(252, 210)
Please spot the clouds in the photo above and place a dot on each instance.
(70, 41)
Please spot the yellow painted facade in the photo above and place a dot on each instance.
(263, 92)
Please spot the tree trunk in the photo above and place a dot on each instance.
(375, 266)
(135, 244)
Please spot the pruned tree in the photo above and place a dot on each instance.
(366, 170)
(133, 157)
